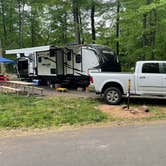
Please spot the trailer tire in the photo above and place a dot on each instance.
(112, 95)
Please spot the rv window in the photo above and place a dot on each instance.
(78, 58)
(52, 53)
(53, 71)
(69, 56)
(22, 55)
(39, 59)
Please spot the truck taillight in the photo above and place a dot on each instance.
(91, 79)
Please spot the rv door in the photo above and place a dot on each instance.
(32, 64)
(60, 62)
(22, 67)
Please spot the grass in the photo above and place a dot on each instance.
(20, 111)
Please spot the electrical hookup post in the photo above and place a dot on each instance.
(2, 66)
(128, 94)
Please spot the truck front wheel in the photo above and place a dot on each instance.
(112, 96)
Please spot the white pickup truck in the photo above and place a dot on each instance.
(149, 80)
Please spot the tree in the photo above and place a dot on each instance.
(117, 27)
(75, 8)
(134, 29)
(93, 21)
(21, 8)
(3, 20)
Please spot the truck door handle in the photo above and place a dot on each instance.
(142, 77)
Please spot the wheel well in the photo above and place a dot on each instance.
(112, 84)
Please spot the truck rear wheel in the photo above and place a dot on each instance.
(112, 96)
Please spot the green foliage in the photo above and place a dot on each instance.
(134, 30)
(33, 112)
(26, 23)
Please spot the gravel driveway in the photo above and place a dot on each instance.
(71, 93)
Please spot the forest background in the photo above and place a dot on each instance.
(135, 30)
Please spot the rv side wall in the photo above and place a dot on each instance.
(46, 64)
(89, 60)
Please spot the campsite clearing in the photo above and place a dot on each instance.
(45, 112)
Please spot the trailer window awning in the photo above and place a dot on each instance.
(5, 60)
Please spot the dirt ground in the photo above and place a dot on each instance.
(52, 91)
(120, 112)
(69, 93)
(114, 111)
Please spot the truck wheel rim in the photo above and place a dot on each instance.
(112, 96)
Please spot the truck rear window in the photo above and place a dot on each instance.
(150, 68)
(163, 68)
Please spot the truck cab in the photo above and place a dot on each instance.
(150, 78)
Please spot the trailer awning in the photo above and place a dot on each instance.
(5, 60)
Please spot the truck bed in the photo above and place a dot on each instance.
(100, 79)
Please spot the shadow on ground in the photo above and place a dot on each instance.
(143, 101)
(139, 101)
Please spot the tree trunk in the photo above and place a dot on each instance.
(22, 31)
(32, 26)
(19, 23)
(153, 20)
(11, 13)
(81, 28)
(144, 40)
(145, 37)
(64, 27)
(117, 27)
(4, 38)
(2, 67)
(93, 22)
(76, 22)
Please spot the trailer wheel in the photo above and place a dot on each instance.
(112, 96)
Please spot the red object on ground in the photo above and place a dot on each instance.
(4, 78)
(91, 79)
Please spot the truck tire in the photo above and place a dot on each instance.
(112, 96)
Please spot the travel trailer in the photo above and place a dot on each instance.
(70, 64)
